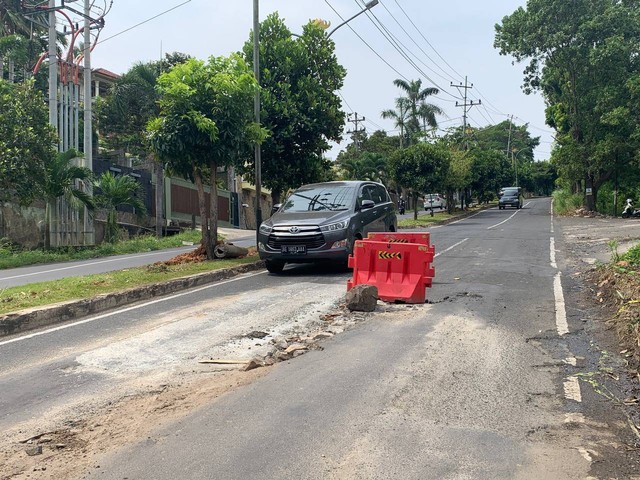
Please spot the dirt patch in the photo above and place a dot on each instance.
(76, 445)
(72, 450)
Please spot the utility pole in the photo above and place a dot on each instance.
(466, 107)
(509, 139)
(256, 108)
(353, 118)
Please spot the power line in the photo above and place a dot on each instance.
(143, 22)
(448, 77)
(425, 39)
(401, 49)
(363, 41)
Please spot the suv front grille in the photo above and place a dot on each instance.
(311, 237)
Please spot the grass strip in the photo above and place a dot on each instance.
(12, 258)
(77, 288)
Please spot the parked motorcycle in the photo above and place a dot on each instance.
(629, 210)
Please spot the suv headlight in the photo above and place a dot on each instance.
(266, 229)
(335, 226)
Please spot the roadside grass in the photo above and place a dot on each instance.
(11, 257)
(76, 288)
(618, 284)
(565, 202)
(426, 220)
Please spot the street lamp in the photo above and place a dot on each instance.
(368, 6)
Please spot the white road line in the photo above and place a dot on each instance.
(159, 252)
(470, 216)
(451, 247)
(574, 417)
(561, 313)
(572, 389)
(552, 252)
(504, 221)
(585, 454)
(128, 309)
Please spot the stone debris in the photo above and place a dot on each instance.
(33, 450)
(362, 298)
(295, 348)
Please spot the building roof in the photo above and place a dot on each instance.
(106, 73)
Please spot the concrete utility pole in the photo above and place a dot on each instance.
(256, 108)
(466, 107)
(353, 118)
(89, 232)
(53, 66)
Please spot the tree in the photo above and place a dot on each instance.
(490, 172)
(419, 112)
(422, 168)
(26, 141)
(206, 122)
(61, 181)
(299, 77)
(115, 191)
(400, 117)
(581, 57)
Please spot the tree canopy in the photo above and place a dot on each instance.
(205, 121)
(26, 141)
(583, 57)
(299, 79)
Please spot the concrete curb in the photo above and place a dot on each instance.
(39, 317)
(461, 216)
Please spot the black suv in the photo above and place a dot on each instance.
(510, 197)
(322, 221)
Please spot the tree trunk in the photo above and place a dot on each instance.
(47, 225)
(415, 205)
(11, 70)
(159, 197)
(213, 208)
(1, 68)
(590, 193)
(202, 206)
(276, 197)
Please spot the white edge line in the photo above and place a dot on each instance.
(451, 247)
(572, 389)
(561, 313)
(158, 252)
(552, 252)
(128, 309)
(504, 221)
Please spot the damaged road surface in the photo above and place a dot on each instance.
(265, 376)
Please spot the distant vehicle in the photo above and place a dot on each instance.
(434, 200)
(322, 221)
(510, 197)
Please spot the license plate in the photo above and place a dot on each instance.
(294, 249)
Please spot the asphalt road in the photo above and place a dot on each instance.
(15, 277)
(472, 385)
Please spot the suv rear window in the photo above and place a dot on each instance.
(510, 191)
(320, 198)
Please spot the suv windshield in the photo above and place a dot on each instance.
(321, 198)
(511, 192)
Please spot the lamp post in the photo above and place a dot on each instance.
(368, 6)
(256, 109)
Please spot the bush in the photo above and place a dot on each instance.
(565, 202)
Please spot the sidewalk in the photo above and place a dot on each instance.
(231, 234)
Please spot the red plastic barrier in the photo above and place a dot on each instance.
(400, 271)
(422, 238)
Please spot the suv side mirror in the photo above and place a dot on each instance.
(275, 208)
(367, 204)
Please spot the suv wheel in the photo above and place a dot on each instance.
(274, 266)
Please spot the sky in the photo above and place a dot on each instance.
(446, 41)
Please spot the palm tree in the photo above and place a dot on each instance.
(416, 102)
(399, 116)
(60, 180)
(427, 113)
(115, 191)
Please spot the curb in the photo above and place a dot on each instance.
(38, 317)
(452, 219)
